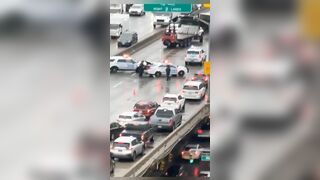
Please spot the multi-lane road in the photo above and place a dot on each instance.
(127, 88)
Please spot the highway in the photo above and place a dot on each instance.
(127, 88)
(143, 25)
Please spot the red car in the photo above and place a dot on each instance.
(147, 108)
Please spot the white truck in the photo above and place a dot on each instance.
(118, 23)
(183, 32)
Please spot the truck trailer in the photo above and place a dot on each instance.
(182, 32)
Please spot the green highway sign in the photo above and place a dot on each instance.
(168, 7)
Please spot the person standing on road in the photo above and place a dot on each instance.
(168, 72)
(141, 69)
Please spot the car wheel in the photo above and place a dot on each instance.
(181, 73)
(114, 69)
(154, 26)
(134, 156)
(173, 127)
(157, 74)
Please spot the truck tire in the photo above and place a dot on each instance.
(189, 42)
(201, 39)
(157, 74)
(114, 69)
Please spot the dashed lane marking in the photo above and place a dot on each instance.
(118, 84)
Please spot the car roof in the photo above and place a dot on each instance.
(166, 108)
(143, 102)
(192, 83)
(194, 48)
(125, 139)
(128, 113)
(192, 145)
(171, 95)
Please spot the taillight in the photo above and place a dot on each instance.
(170, 122)
(180, 174)
(182, 153)
(199, 131)
(142, 136)
(149, 110)
(120, 134)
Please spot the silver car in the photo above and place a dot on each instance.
(127, 147)
(166, 118)
(130, 117)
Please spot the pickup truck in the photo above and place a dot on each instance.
(167, 118)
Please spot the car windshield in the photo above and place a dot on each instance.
(124, 117)
(125, 37)
(136, 6)
(114, 26)
(140, 120)
(164, 113)
(169, 99)
(190, 87)
(141, 106)
(193, 52)
(121, 144)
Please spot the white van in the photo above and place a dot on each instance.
(194, 90)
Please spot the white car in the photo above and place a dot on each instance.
(162, 19)
(194, 90)
(127, 147)
(120, 63)
(137, 9)
(129, 117)
(159, 69)
(195, 55)
(173, 100)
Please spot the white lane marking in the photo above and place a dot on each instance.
(133, 74)
(117, 84)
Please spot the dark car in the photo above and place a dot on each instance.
(127, 39)
(203, 131)
(147, 108)
(174, 171)
(144, 134)
(115, 130)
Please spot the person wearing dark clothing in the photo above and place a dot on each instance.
(168, 72)
(141, 69)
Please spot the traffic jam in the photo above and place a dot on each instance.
(158, 86)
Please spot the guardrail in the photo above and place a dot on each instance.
(142, 44)
(168, 143)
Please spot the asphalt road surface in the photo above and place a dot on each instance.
(143, 25)
(126, 88)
